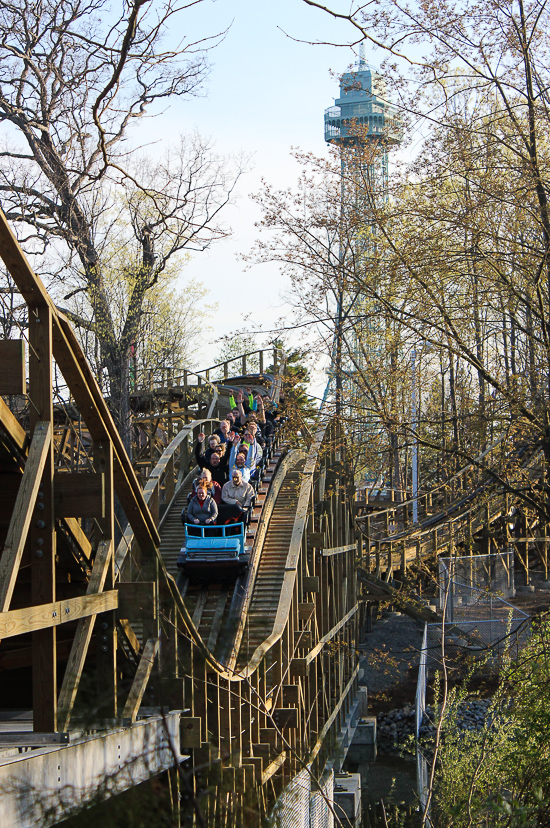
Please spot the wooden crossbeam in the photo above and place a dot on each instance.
(141, 679)
(12, 429)
(337, 550)
(75, 531)
(29, 619)
(82, 638)
(273, 767)
(22, 513)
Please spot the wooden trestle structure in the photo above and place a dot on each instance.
(481, 518)
(111, 666)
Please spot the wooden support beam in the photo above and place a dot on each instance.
(79, 495)
(82, 638)
(310, 583)
(75, 531)
(305, 611)
(12, 360)
(273, 767)
(78, 375)
(256, 763)
(129, 635)
(22, 514)
(338, 550)
(299, 667)
(141, 679)
(42, 535)
(285, 717)
(45, 616)
(316, 539)
(12, 429)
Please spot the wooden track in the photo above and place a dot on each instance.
(270, 575)
(263, 670)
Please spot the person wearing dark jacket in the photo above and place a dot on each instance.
(217, 462)
(202, 508)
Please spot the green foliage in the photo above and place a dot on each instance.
(500, 776)
(235, 345)
(296, 382)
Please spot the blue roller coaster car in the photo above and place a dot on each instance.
(209, 549)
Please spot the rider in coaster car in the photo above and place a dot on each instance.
(217, 461)
(214, 489)
(202, 508)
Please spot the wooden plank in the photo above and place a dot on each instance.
(337, 550)
(141, 679)
(311, 583)
(291, 695)
(331, 633)
(273, 767)
(299, 667)
(256, 762)
(91, 403)
(79, 495)
(18, 622)
(285, 717)
(42, 536)
(22, 513)
(75, 531)
(303, 639)
(12, 429)
(269, 736)
(305, 611)
(190, 731)
(136, 599)
(129, 635)
(79, 650)
(78, 375)
(12, 360)
(316, 539)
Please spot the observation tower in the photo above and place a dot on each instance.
(362, 115)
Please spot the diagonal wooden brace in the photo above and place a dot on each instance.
(22, 512)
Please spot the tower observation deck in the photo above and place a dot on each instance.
(362, 104)
(361, 115)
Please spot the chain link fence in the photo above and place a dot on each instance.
(472, 597)
(476, 618)
(305, 805)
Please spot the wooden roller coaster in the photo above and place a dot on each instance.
(113, 666)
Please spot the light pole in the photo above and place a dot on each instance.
(414, 426)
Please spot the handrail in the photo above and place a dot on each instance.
(286, 464)
(401, 504)
(446, 517)
(299, 527)
(243, 357)
(171, 379)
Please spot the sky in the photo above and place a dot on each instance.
(266, 93)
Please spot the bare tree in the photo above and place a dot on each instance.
(73, 81)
